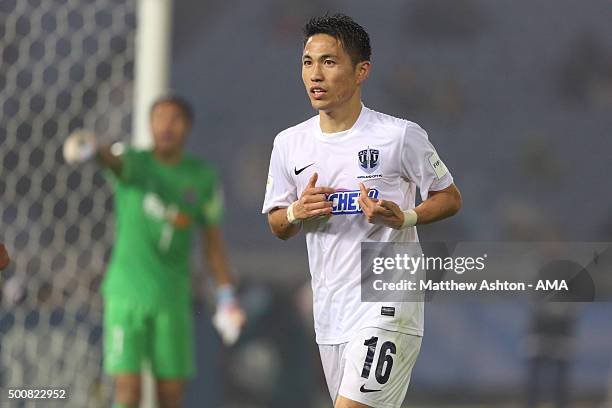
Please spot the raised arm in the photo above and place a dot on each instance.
(108, 157)
(82, 146)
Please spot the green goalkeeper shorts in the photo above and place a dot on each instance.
(134, 334)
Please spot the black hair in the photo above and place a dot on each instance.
(179, 102)
(353, 37)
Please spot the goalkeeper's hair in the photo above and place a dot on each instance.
(179, 102)
(353, 37)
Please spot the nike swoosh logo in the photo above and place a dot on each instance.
(297, 172)
(364, 389)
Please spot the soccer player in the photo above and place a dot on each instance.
(161, 195)
(345, 176)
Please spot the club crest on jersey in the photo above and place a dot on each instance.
(347, 202)
(369, 159)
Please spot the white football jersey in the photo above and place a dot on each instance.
(390, 156)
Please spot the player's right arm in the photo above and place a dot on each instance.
(285, 209)
(82, 146)
(280, 225)
(286, 222)
(107, 158)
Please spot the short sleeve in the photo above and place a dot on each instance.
(280, 189)
(211, 208)
(421, 164)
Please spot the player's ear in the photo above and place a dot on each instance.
(362, 70)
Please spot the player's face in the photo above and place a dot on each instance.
(169, 127)
(330, 77)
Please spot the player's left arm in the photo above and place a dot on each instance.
(216, 254)
(439, 205)
(229, 316)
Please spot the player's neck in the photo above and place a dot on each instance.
(170, 158)
(341, 118)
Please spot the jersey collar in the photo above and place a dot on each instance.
(345, 134)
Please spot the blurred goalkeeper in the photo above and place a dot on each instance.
(160, 196)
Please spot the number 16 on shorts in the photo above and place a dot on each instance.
(378, 367)
(384, 363)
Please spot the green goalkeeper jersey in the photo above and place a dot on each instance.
(157, 207)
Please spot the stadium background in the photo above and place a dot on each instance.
(516, 95)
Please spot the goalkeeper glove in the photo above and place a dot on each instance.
(229, 317)
(80, 146)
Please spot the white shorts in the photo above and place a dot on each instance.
(373, 368)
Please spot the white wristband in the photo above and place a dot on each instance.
(410, 219)
(290, 217)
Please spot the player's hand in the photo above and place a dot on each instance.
(313, 202)
(380, 211)
(4, 257)
(228, 320)
(80, 146)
